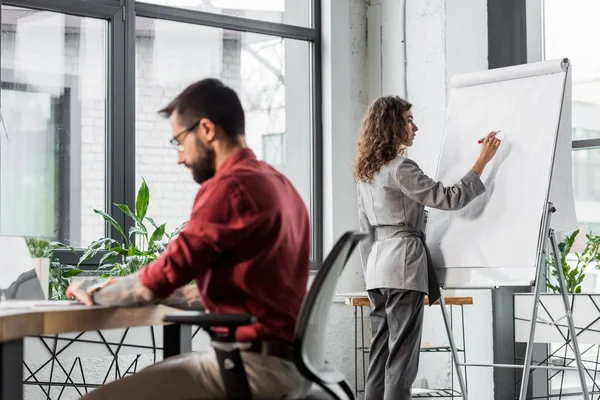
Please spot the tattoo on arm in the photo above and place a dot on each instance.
(126, 292)
(185, 298)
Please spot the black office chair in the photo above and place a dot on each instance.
(309, 336)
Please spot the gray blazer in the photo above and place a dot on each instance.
(395, 201)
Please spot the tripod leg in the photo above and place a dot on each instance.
(565, 298)
(529, 351)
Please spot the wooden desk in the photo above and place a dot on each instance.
(360, 299)
(16, 324)
(363, 301)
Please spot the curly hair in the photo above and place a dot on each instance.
(381, 137)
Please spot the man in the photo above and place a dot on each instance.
(246, 244)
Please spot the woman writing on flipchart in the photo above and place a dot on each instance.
(392, 194)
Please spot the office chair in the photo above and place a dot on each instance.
(309, 336)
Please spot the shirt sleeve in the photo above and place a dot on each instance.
(225, 218)
(419, 187)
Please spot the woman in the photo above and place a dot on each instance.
(392, 194)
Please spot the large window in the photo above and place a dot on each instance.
(81, 84)
(271, 75)
(571, 29)
(52, 164)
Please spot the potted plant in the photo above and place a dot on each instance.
(54, 276)
(551, 312)
(136, 248)
(574, 273)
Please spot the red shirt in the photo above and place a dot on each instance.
(247, 246)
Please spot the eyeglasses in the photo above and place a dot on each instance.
(175, 140)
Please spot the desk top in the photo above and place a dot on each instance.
(361, 299)
(46, 319)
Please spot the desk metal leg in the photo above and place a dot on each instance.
(355, 351)
(177, 339)
(464, 343)
(11, 370)
(463, 388)
(363, 349)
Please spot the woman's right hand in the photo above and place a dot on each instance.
(488, 150)
(488, 147)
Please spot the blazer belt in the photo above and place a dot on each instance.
(388, 232)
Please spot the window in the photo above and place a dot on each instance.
(569, 30)
(79, 99)
(273, 148)
(52, 148)
(258, 67)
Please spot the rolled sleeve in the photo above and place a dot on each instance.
(220, 221)
(473, 180)
(186, 257)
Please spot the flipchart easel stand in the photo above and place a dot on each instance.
(547, 235)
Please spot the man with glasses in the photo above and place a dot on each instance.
(247, 246)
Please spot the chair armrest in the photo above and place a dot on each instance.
(209, 320)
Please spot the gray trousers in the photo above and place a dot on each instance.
(396, 324)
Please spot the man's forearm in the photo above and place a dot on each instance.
(126, 292)
(185, 298)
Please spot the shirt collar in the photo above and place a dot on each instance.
(235, 157)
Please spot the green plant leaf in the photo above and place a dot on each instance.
(106, 266)
(137, 230)
(139, 227)
(131, 250)
(125, 208)
(38, 248)
(108, 257)
(89, 253)
(60, 246)
(71, 272)
(112, 221)
(152, 222)
(95, 247)
(142, 201)
(156, 235)
(118, 249)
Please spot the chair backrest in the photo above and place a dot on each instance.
(309, 337)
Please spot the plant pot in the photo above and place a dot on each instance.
(42, 270)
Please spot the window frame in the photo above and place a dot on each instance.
(121, 117)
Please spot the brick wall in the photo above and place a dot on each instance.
(172, 189)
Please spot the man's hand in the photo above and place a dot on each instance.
(126, 291)
(79, 289)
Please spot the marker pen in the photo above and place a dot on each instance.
(483, 138)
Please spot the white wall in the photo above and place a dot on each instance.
(344, 101)
(442, 39)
